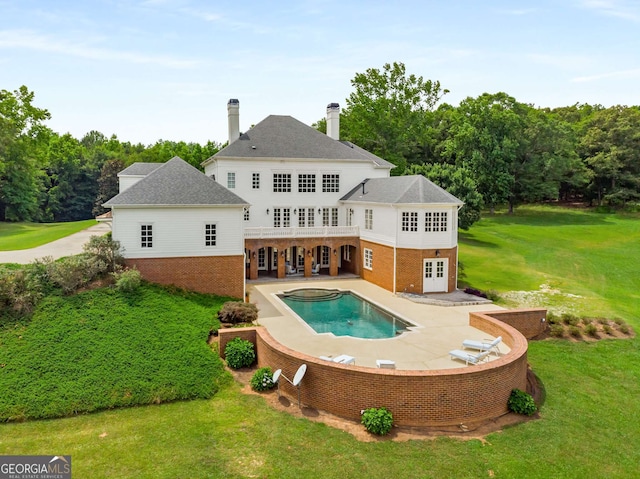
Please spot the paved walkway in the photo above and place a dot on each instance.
(440, 329)
(66, 246)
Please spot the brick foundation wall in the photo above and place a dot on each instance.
(382, 271)
(410, 264)
(527, 321)
(416, 398)
(221, 275)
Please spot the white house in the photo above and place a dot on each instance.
(285, 199)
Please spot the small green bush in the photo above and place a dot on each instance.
(493, 295)
(377, 420)
(575, 331)
(591, 330)
(552, 318)
(618, 321)
(556, 330)
(570, 319)
(235, 312)
(586, 320)
(239, 353)
(262, 379)
(624, 329)
(106, 251)
(607, 329)
(603, 321)
(521, 402)
(128, 280)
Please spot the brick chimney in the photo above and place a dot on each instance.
(233, 113)
(333, 120)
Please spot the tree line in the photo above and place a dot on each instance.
(46, 176)
(488, 151)
(494, 150)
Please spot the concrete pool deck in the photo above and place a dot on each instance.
(440, 329)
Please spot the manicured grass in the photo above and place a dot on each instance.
(594, 256)
(102, 349)
(15, 236)
(589, 423)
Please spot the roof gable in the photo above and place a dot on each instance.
(413, 189)
(279, 136)
(140, 169)
(176, 183)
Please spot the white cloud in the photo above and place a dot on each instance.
(624, 74)
(31, 40)
(615, 8)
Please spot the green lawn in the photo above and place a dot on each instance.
(15, 236)
(589, 423)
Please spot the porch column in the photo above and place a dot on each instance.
(333, 261)
(253, 265)
(281, 265)
(307, 262)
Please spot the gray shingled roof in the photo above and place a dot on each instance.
(414, 189)
(175, 182)
(140, 169)
(280, 136)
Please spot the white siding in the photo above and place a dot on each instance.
(384, 219)
(179, 231)
(351, 174)
(433, 239)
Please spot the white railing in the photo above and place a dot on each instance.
(319, 231)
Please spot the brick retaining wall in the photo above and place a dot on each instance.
(416, 398)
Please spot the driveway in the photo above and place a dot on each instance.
(67, 246)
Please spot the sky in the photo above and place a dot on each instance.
(149, 70)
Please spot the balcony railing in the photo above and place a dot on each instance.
(313, 232)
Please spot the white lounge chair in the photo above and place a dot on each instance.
(291, 269)
(342, 359)
(316, 269)
(468, 357)
(484, 345)
(385, 364)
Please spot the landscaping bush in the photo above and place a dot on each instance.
(377, 420)
(624, 329)
(236, 312)
(607, 329)
(552, 318)
(262, 379)
(475, 292)
(239, 353)
(556, 330)
(575, 331)
(521, 402)
(586, 320)
(106, 251)
(73, 272)
(570, 319)
(591, 330)
(100, 349)
(128, 280)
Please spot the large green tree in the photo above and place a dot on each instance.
(387, 113)
(21, 136)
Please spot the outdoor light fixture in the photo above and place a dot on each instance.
(267, 210)
(319, 210)
(295, 211)
(437, 253)
(335, 252)
(254, 255)
(282, 253)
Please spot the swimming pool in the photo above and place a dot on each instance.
(343, 313)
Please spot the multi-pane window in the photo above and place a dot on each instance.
(325, 216)
(231, 180)
(246, 214)
(306, 217)
(255, 181)
(329, 216)
(281, 217)
(368, 219)
(262, 259)
(311, 217)
(324, 256)
(409, 221)
(346, 254)
(334, 216)
(210, 235)
(435, 221)
(368, 258)
(282, 182)
(306, 183)
(330, 183)
(146, 236)
(349, 216)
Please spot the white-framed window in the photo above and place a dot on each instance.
(435, 221)
(255, 181)
(329, 216)
(368, 258)
(324, 256)
(306, 183)
(281, 217)
(349, 217)
(306, 217)
(146, 236)
(210, 234)
(330, 183)
(262, 264)
(334, 216)
(231, 180)
(311, 217)
(346, 253)
(410, 221)
(247, 215)
(368, 219)
(282, 182)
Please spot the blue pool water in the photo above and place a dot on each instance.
(343, 314)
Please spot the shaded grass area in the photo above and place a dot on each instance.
(102, 349)
(594, 256)
(17, 236)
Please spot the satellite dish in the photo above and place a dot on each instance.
(299, 374)
(276, 375)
